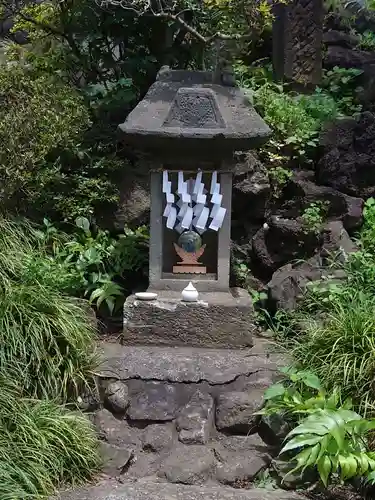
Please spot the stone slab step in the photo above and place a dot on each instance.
(185, 364)
(113, 490)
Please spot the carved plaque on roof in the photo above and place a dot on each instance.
(194, 108)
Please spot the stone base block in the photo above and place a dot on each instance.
(219, 319)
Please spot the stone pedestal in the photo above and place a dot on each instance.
(219, 319)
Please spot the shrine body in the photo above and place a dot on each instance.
(190, 128)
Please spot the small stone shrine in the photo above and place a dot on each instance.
(190, 128)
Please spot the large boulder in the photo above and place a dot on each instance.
(241, 469)
(340, 38)
(195, 421)
(281, 241)
(344, 57)
(251, 188)
(302, 190)
(289, 282)
(337, 244)
(189, 465)
(116, 397)
(134, 186)
(347, 163)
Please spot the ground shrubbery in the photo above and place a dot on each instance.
(326, 435)
(331, 337)
(297, 119)
(47, 350)
(89, 262)
(42, 445)
(46, 339)
(332, 332)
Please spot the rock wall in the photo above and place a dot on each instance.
(185, 415)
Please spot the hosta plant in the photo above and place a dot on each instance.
(335, 442)
(328, 436)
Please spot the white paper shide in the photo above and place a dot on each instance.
(193, 207)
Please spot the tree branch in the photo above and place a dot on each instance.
(169, 16)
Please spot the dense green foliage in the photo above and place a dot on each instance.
(91, 263)
(332, 332)
(63, 95)
(297, 119)
(328, 435)
(46, 351)
(38, 114)
(42, 446)
(46, 339)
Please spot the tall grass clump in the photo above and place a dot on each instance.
(339, 346)
(46, 338)
(46, 356)
(42, 446)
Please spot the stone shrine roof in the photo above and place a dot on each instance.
(184, 109)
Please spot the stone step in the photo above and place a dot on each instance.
(186, 364)
(113, 490)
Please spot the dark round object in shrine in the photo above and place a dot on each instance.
(190, 241)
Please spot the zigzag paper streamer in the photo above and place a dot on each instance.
(191, 210)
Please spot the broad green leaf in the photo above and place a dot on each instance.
(111, 304)
(348, 465)
(362, 462)
(349, 415)
(312, 381)
(302, 458)
(352, 466)
(83, 223)
(96, 294)
(91, 255)
(274, 391)
(314, 452)
(324, 469)
(300, 442)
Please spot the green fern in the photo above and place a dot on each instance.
(327, 434)
(333, 441)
